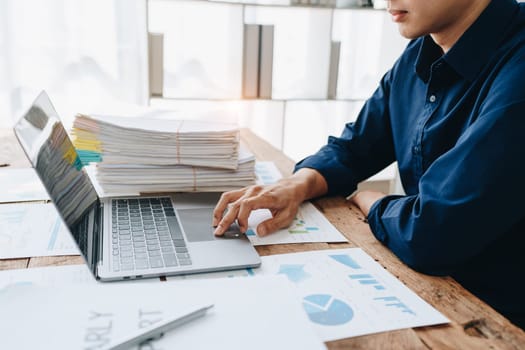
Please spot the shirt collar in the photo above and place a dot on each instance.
(429, 52)
(474, 48)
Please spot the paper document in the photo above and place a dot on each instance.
(91, 171)
(56, 276)
(148, 154)
(87, 317)
(157, 329)
(344, 292)
(47, 276)
(265, 315)
(310, 225)
(267, 173)
(154, 141)
(128, 178)
(33, 229)
(21, 185)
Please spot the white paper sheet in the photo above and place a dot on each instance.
(21, 185)
(56, 276)
(264, 314)
(255, 313)
(33, 229)
(48, 276)
(344, 292)
(310, 225)
(183, 126)
(87, 316)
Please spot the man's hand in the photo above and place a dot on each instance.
(365, 199)
(282, 199)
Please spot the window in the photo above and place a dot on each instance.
(83, 53)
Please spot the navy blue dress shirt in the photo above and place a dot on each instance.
(455, 123)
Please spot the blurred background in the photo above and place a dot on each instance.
(293, 71)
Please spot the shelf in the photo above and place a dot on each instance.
(203, 57)
(195, 99)
(334, 4)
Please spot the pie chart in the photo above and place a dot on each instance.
(326, 310)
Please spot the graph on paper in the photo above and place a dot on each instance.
(33, 229)
(344, 292)
(309, 225)
(294, 272)
(326, 310)
(299, 225)
(21, 185)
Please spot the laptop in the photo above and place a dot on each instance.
(126, 237)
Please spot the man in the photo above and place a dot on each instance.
(451, 112)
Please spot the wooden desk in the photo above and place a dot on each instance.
(475, 325)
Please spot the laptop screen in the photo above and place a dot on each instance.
(51, 152)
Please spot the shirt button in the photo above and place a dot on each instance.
(432, 98)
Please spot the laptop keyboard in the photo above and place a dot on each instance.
(145, 235)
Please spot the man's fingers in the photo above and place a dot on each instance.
(228, 219)
(237, 205)
(281, 220)
(246, 206)
(222, 204)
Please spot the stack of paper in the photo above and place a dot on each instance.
(148, 154)
(123, 140)
(132, 178)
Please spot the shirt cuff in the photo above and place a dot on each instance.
(374, 219)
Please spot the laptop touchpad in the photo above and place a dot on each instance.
(196, 223)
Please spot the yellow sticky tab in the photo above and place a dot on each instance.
(70, 155)
(88, 145)
(82, 134)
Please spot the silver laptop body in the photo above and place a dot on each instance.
(131, 237)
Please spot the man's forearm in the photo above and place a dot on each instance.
(365, 199)
(308, 182)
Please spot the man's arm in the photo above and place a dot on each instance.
(366, 199)
(364, 148)
(469, 197)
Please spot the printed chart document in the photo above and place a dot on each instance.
(255, 313)
(264, 314)
(310, 225)
(33, 229)
(344, 292)
(21, 185)
(88, 316)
